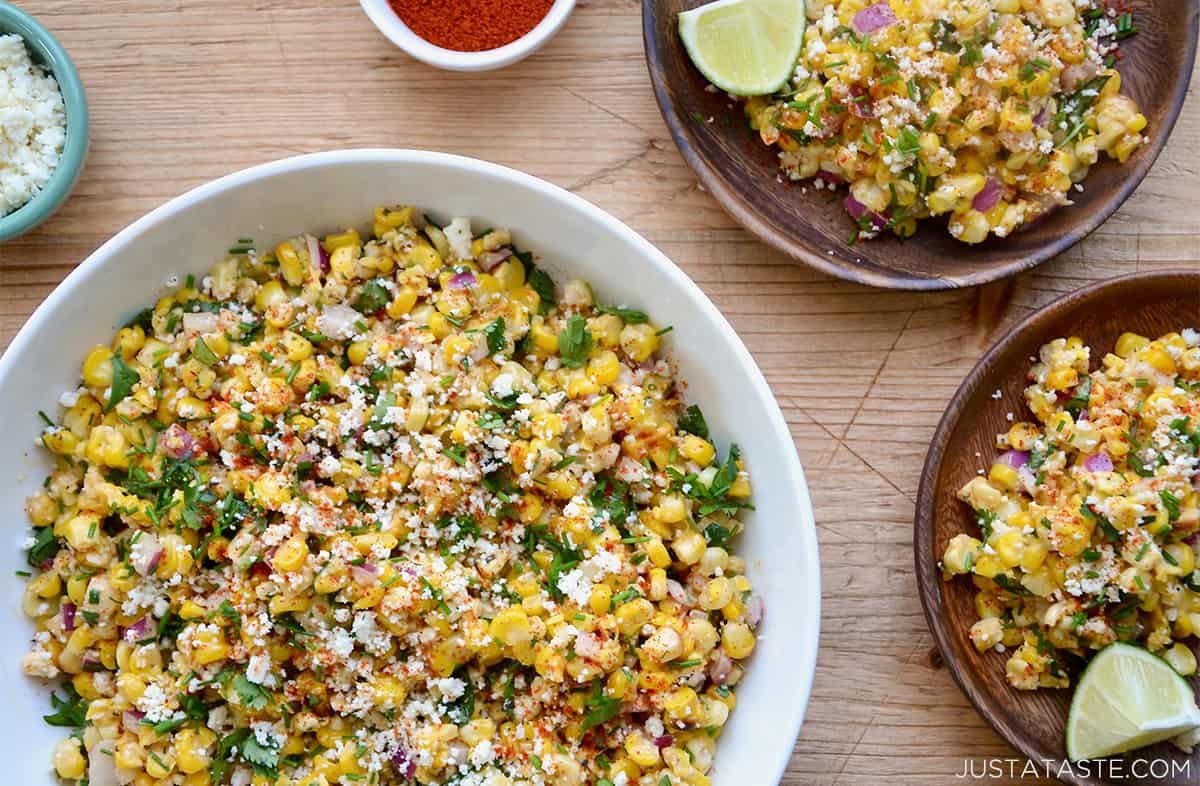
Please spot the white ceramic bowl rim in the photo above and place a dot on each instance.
(400, 34)
(804, 573)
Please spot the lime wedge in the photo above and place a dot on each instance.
(1127, 698)
(745, 47)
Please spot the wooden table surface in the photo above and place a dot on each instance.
(182, 91)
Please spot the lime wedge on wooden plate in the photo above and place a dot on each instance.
(1127, 698)
(745, 47)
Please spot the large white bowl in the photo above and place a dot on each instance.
(328, 191)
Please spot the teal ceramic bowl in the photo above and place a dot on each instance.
(47, 52)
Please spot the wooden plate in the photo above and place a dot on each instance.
(813, 227)
(1148, 303)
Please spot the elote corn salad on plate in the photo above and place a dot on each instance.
(395, 511)
(1089, 519)
(987, 111)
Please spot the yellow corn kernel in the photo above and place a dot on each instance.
(291, 555)
(737, 640)
(68, 761)
(1181, 658)
(97, 367)
(639, 342)
(658, 584)
(683, 705)
(1130, 343)
(270, 294)
(403, 303)
(510, 627)
(389, 692)
(716, 594)
(600, 598)
(604, 368)
(633, 615)
(193, 749)
(1182, 560)
(658, 553)
(297, 347)
(281, 604)
(689, 547)
(160, 764)
(209, 646)
(697, 449)
(289, 263)
(338, 240)
(60, 441)
(1159, 359)
(643, 752)
(82, 531)
(1010, 547)
(1004, 476)
(106, 448)
(129, 755)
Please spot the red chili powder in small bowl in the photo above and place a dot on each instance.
(471, 25)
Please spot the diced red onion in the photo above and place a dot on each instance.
(1039, 119)
(479, 350)
(720, 668)
(754, 610)
(404, 763)
(1192, 539)
(363, 574)
(145, 554)
(337, 321)
(91, 662)
(829, 177)
(132, 719)
(664, 741)
(318, 260)
(177, 443)
(1014, 458)
(1098, 462)
(857, 210)
(138, 630)
(873, 18)
(68, 617)
(102, 769)
(987, 198)
(1074, 75)
(488, 260)
(678, 593)
(462, 281)
(458, 753)
(860, 103)
(200, 322)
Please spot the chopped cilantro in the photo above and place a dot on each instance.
(575, 342)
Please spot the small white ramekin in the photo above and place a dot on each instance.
(402, 36)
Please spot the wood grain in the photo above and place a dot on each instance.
(1151, 304)
(811, 225)
(184, 91)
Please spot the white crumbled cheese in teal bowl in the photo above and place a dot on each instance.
(33, 124)
(43, 123)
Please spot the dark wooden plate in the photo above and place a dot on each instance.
(1033, 722)
(813, 228)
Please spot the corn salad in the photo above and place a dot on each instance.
(1089, 519)
(387, 511)
(986, 111)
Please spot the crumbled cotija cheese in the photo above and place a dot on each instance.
(33, 125)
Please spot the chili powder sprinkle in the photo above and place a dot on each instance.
(471, 25)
